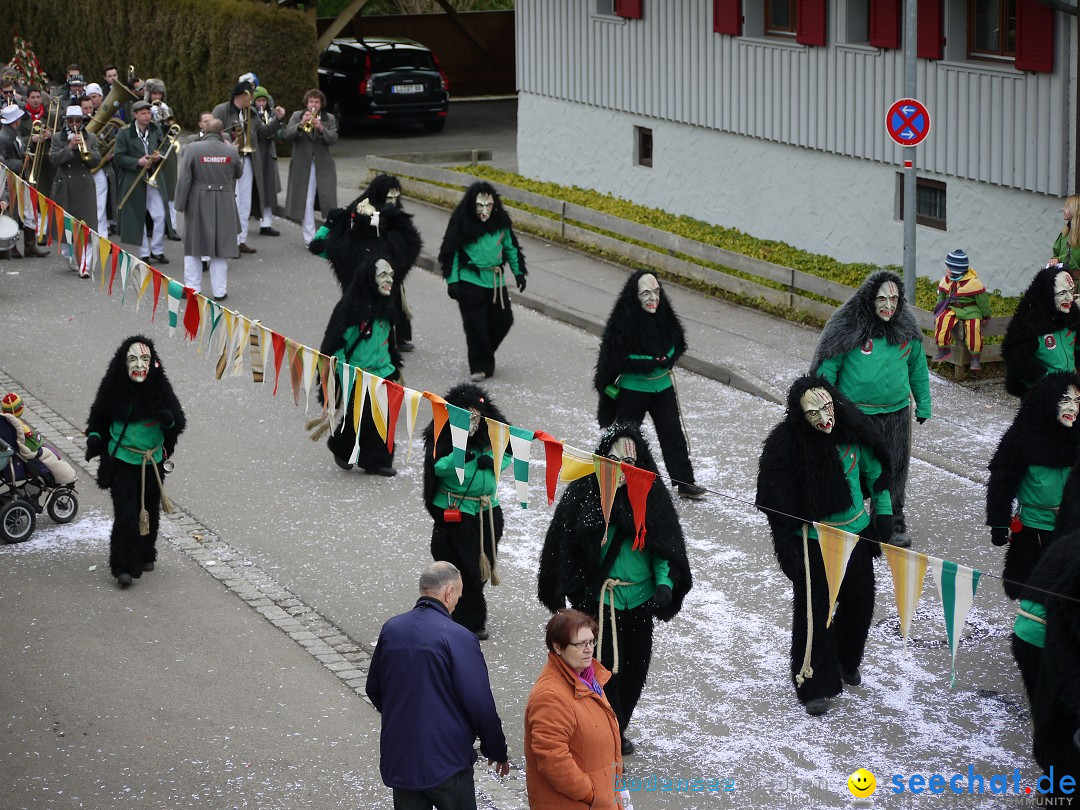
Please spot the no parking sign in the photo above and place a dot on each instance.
(908, 122)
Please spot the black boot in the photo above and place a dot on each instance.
(30, 248)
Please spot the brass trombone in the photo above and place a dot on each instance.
(32, 162)
(172, 137)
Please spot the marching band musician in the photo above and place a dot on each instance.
(13, 154)
(312, 173)
(137, 148)
(233, 114)
(104, 178)
(161, 114)
(268, 123)
(74, 152)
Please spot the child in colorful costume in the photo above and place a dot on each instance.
(961, 297)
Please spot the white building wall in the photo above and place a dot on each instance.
(814, 200)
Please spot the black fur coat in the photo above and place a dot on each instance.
(574, 565)
(1055, 712)
(856, 321)
(1034, 437)
(353, 240)
(119, 399)
(464, 395)
(631, 330)
(465, 227)
(800, 476)
(1035, 316)
(360, 305)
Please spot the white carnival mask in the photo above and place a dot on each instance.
(474, 421)
(818, 409)
(1069, 406)
(624, 450)
(138, 362)
(392, 196)
(384, 276)
(1064, 291)
(887, 300)
(648, 293)
(485, 204)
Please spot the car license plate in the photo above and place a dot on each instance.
(407, 88)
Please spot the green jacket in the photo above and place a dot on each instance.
(1039, 495)
(489, 251)
(649, 382)
(640, 567)
(1057, 351)
(879, 377)
(144, 436)
(860, 465)
(1027, 629)
(372, 353)
(1070, 258)
(477, 483)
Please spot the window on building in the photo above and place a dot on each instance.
(780, 18)
(856, 19)
(643, 146)
(929, 202)
(604, 8)
(992, 29)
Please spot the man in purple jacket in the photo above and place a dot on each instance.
(429, 673)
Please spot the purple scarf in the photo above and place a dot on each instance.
(589, 679)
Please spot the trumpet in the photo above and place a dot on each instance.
(80, 144)
(172, 137)
(161, 113)
(309, 126)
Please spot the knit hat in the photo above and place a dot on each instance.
(11, 403)
(262, 92)
(92, 88)
(957, 260)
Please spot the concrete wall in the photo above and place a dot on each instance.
(814, 200)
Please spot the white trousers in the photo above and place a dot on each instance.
(308, 225)
(243, 199)
(156, 208)
(267, 218)
(219, 274)
(101, 185)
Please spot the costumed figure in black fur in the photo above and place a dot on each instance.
(133, 426)
(1055, 710)
(467, 515)
(360, 334)
(871, 349)
(643, 339)
(820, 464)
(1030, 466)
(622, 578)
(1041, 338)
(478, 246)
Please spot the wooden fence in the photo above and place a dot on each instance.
(567, 221)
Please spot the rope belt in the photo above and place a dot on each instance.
(166, 504)
(608, 589)
(487, 567)
(1032, 616)
(500, 284)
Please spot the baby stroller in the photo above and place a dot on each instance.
(28, 487)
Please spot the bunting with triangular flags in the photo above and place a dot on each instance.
(359, 397)
(376, 393)
(520, 448)
(278, 342)
(311, 367)
(956, 587)
(638, 484)
(608, 473)
(175, 291)
(191, 314)
(395, 394)
(576, 464)
(412, 409)
(836, 546)
(908, 570)
(438, 416)
(292, 357)
(347, 374)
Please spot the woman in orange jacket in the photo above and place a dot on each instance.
(573, 753)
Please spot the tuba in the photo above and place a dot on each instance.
(118, 96)
(107, 141)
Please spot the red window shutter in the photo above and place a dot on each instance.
(727, 17)
(885, 23)
(631, 9)
(810, 22)
(1034, 36)
(931, 39)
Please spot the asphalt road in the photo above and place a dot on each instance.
(274, 730)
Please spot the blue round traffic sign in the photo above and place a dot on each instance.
(908, 122)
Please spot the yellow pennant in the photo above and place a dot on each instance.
(309, 359)
(836, 547)
(240, 340)
(607, 475)
(576, 464)
(379, 403)
(499, 436)
(908, 569)
(412, 408)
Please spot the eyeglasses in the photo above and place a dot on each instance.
(580, 645)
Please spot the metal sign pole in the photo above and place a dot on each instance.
(911, 35)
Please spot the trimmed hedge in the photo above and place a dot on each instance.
(197, 47)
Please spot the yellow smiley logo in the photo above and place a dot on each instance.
(862, 783)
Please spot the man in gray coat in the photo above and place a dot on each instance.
(234, 114)
(205, 193)
(74, 151)
(312, 173)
